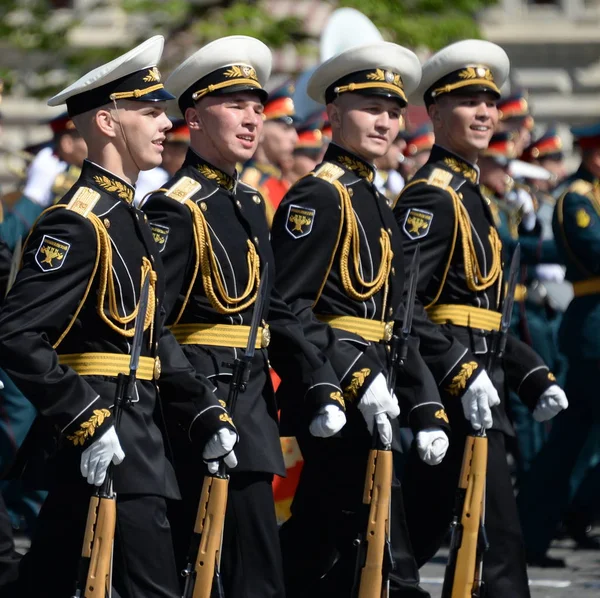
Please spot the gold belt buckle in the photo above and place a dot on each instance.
(388, 331)
(265, 336)
(157, 368)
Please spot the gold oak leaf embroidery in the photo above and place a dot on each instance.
(356, 166)
(358, 379)
(337, 397)
(461, 168)
(88, 428)
(214, 175)
(299, 221)
(224, 417)
(472, 72)
(234, 71)
(222, 403)
(441, 414)
(112, 186)
(459, 382)
(388, 76)
(153, 75)
(51, 253)
(416, 224)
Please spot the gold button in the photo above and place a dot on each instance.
(393, 270)
(203, 206)
(256, 240)
(238, 203)
(256, 199)
(350, 192)
(390, 231)
(460, 196)
(145, 218)
(106, 223)
(391, 311)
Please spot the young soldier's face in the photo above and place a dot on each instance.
(144, 125)
(464, 123)
(231, 124)
(365, 125)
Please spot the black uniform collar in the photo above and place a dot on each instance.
(350, 161)
(107, 181)
(210, 172)
(454, 163)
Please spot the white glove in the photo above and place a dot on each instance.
(328, 421)
(478, 400)
(552, 402)
(97, 457)
(379, 405)
(220, 444)
(550, 273)
(432, 444)
(523, 201)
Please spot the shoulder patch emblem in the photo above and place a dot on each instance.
(51, 253)
(299, 221)
(329, 172)
(582, 218)
(183, 189)
(440, 178)
(417, 223)
(160, 234)
(83, 201)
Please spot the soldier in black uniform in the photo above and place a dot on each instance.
(214, 241)
(339, 265)
(65, 334)
(460, 296)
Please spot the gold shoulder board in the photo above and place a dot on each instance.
(329, 172)
(183, 189)
(580, 187)
(440, 178)
(83, 201)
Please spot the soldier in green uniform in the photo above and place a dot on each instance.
(545, 495)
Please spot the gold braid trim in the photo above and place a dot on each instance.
(351, 244)
(476, 280)
(206, 263)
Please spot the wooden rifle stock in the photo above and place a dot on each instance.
(459, 580)
(208, 530)
(96, 555)
(377, 497)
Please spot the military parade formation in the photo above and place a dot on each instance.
(208, 285)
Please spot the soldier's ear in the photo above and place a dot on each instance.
(106, 123)
(434, 114)
(193, 120)
(334, 115)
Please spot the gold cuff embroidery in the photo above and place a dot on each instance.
(88, 428)
(358, 379)
(459, 382)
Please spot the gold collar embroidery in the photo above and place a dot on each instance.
(214, 174)
(121, 190)
(362, 169)
(462, 168)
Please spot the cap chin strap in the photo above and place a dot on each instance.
(118, 119)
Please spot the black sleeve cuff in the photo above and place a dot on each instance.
(428, 415)
(534, 384)
(464, 372)
(207, 423)
(89, 426)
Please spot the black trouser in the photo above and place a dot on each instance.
(250, 555)
(429, 498)
(9, 559)
(327, 515)
(143, 563)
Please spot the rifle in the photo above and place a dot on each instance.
(202, 574)
(374, 560)
(94, 579)
(464, 571)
